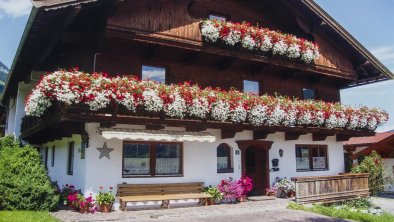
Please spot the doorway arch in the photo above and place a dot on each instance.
(255, 163)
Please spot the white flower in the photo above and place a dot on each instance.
(318, 118)
(291, 118)
(248, 42)
(307, 56)
(177, 108)
(151, 101)
(233, 37)
(304, 118)
(209, 31)
(220, 110)
(199, 108)
(258, 115)
(293, 51)
(279, 48)
(266, 44)
(238, 114)
(276, 116)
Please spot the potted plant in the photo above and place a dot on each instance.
(232, 190)
(286, 187)
(105, 200)
(80, 203)
(216, 195)
(247, 185)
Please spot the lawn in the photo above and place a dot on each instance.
(26, 216)
(343, 213)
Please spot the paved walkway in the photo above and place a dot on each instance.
(386, 203)
(267, 211)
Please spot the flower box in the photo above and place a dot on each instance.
(256, 39)
(98, 93)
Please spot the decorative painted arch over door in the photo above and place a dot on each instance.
(255, 163)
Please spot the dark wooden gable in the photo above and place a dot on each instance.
(179, 20)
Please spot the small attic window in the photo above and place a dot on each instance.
(221, 18)
(309, 93)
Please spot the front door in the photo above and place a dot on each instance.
(254, 169)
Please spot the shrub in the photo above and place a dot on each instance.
(232, 190)
(24, 183)
(374, 165)
(362, 203)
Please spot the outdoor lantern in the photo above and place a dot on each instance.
(280, 152)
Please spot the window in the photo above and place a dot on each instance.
(46, 157)
(308, 93)
(223, 154)
(311, 157)
(251, 87)
(153, 73)
(152, 159)
(70, 159)
(53, 156)
(217, 17)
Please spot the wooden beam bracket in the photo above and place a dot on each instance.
(227, 134)
(342, 137)
(154, 127)
(261, 134)
(319, 136)
(293, 135)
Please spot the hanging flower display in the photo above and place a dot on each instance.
(98, 91)
(259, 39)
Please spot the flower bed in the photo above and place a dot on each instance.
(259, 39)
(190, 101)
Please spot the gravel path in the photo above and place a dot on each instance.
(267, 211)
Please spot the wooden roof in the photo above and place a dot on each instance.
(382, 143)
(46, 15)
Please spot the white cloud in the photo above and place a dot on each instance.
(14, 8)
(384, 53)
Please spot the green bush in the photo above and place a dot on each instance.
(24, 183)
(362, 203)
(374, 165)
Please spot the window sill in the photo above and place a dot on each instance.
(225, 171)
(149, 176)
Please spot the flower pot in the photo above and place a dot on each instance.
(243, 198)
(83, 211)
(105, 208)
(291, 194)
(271, 194)
(210, 202)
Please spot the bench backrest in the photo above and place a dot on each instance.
(157, 189)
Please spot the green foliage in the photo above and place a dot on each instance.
(24, 183)
(214, 192)
(344, 213)
(106, 198)
(26, 216)
(362, 203)
(374, 165)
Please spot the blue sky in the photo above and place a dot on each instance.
(371, 22)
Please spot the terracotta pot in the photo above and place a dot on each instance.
(210, 202)
(105, 208)
(243, 198)
(83, 211)
(291, 194)
(271, 194)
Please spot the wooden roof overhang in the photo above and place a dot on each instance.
(369, 68)
(63, 121)
(385, 148)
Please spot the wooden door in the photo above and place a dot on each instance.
(254, 169)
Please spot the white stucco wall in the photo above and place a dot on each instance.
(59, 171)
(17, 110)
(199, 160)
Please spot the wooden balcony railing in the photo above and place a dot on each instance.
(326, 189)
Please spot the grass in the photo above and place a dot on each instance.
(26, 216)
(343, 213)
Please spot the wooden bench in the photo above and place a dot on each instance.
(161, 192)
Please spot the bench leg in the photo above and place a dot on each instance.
(165, 204)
